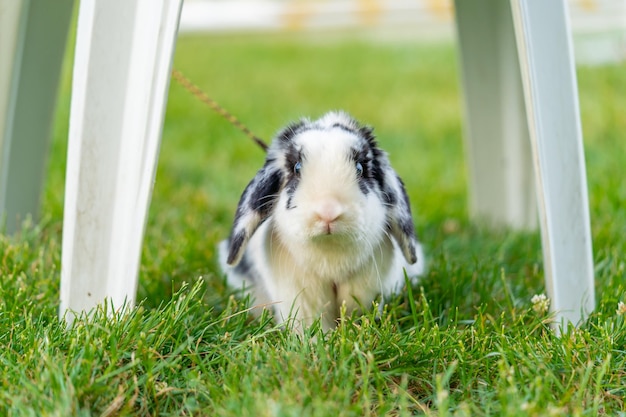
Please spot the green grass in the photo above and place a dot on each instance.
(466, 341)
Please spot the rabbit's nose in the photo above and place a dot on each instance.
(328, 212)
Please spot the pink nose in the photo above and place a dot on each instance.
(328, 212)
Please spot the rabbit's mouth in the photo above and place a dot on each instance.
(330, 230)
(336, 240)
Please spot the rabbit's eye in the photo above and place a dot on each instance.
(359, 169)
(297, 168)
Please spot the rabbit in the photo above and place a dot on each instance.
(325, 222)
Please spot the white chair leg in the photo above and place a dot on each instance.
(33, 35)
(122, 66)
(501, 185)
(546, 59)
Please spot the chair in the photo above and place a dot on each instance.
(521, 108)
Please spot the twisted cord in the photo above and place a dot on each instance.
(202, 96)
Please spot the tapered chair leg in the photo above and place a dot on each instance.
(33, 35)
(547, 65)
(501, 183)
(522, 110)
(121, 74)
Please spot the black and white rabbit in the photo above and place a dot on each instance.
(325, 221)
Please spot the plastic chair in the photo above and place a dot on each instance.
(521, 107)
(516, 125)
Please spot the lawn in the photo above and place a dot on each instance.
(465, 341)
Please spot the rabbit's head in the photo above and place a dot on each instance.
(330, 193)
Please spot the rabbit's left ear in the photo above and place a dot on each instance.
(399, 218)
(255, 206)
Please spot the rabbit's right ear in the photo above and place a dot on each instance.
(256, 204)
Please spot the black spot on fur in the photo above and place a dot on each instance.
(406, 225)
(292, 156)
(406, 221)
(290, 189)
(405, 196)
(241, 209)
(372, 159)
(363, 156)
(288, 133)
(265, 193)
(344, 127)
(363, 186)
(390, 197)
(367, 133)
(378, 171)
(235, 243)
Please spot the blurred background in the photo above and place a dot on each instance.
(599, 26)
